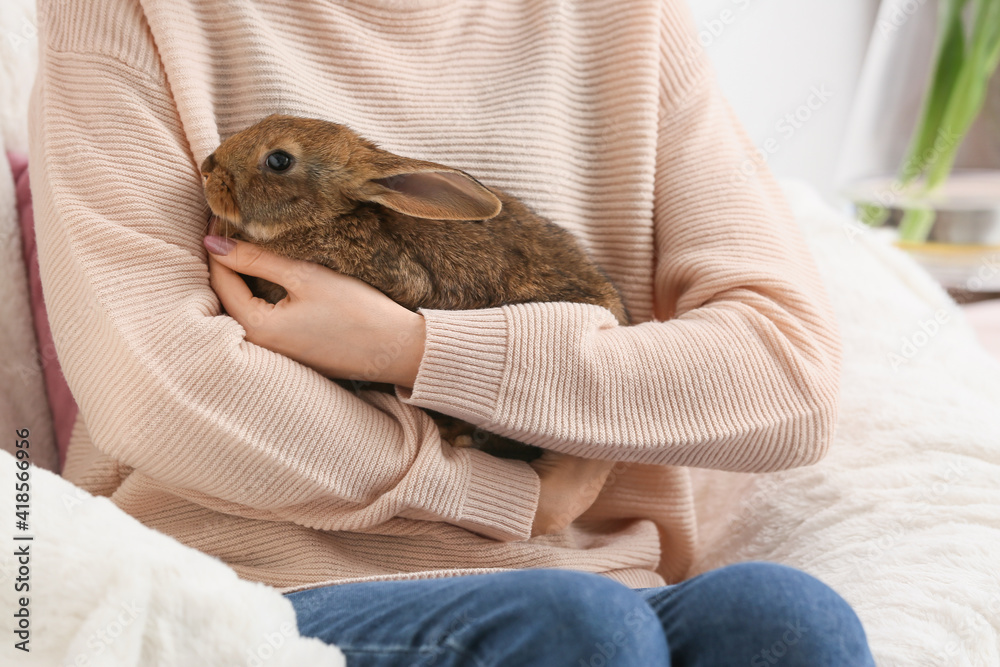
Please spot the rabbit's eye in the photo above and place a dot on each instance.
(278, 161)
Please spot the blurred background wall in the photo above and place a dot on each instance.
(774, 56)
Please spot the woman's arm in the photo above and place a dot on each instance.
(345, 328)
(740, 371)
(165, 384)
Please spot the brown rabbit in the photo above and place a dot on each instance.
(424, 234)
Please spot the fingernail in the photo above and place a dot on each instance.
(218, 245)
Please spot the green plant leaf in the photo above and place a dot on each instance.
(948, 62)
(961, 80)
(916, 224)
(969, 94)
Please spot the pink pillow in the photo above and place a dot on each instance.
(64, 408)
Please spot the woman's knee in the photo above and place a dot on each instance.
(794, 617)
(548, 617)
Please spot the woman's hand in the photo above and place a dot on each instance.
(569, 486)
(347, 329)
(336, 324)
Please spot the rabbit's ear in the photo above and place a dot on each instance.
(434, 195)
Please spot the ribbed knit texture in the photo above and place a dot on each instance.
(603, 116)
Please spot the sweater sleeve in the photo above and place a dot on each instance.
(740, 368)
(167, 385)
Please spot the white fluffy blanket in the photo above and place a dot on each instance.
(903, 516)
(106, 591)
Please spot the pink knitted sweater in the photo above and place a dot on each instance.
(604, 116)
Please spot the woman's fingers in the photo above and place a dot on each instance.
(226, 258)
(252, 260)
(234, 294)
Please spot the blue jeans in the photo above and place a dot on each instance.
(755, 614)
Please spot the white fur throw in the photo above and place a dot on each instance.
(106, 591)
(903, 515)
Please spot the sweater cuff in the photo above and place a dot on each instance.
(501, 499)
(460, 374)
(463, 364)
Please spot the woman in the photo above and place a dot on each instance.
(391, 543)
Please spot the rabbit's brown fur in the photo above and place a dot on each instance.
(424, 234)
